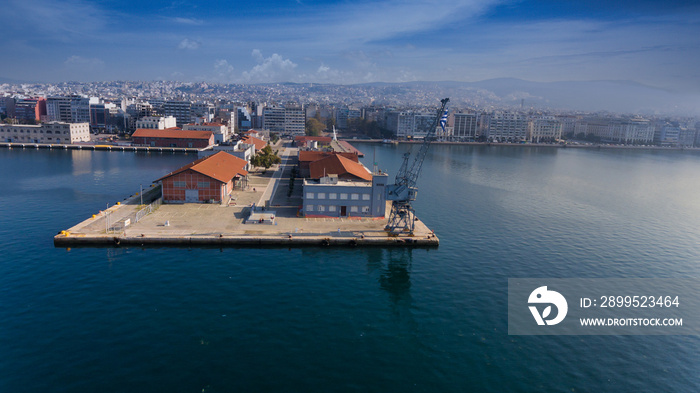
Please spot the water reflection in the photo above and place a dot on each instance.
(392, 268)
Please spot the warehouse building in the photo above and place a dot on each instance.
(210, 179)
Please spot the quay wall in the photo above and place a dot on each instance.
(15, 145)
(62, 240)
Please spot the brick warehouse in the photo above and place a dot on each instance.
(209, 179)
(172, 138)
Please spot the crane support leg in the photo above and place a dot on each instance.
(401, 219)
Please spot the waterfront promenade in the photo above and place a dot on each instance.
(216, 224)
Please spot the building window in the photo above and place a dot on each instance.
(365, 209)
(354, 196)
(202, 184)
(321, 195)
(353, 209)
(365, 197)
(309, 208)
(309, 195)
(321, 208)
(343, 196)
(332, 195)
(179, 184)
(331, 208)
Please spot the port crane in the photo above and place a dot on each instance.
(403, 191)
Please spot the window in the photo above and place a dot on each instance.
(343, 196)
(353, 209)
(309, 195)
(202, 184)
(321, 195)
(365, 197)
(321, 208)
(354, 196)
(331, 208)
(332, 195)
(179, 184)
(365, 209)
(309, 208)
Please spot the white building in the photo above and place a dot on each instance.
(221, 132)
(617, 130)
(289, 119)
(240, 149)
(544, 129)
(401, 124)
(55, 132)
(156, 122)
(507, 127)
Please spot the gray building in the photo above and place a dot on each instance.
(466, 127)
(332, 197)
(288, 119)
(180, 110)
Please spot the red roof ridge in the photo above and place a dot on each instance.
(221, 166)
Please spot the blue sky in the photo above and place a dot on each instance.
(650, 42)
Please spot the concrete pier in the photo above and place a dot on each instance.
(50, 146)
(187, 225)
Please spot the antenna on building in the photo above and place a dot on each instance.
(374, 159)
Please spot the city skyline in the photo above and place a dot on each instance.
(329, 42)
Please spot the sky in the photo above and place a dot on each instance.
(654, 43)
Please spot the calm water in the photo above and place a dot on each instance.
(357, 320)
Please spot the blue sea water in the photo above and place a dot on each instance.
(347, 320)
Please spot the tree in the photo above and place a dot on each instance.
(266, 158)
(369, 128)
(314, 127)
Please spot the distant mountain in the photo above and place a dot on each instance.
(614, 96)
(12, 81)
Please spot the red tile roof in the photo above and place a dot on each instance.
(220, 166)
(206, 124)
(312, 155)
(251, 140)
(174, 133)
(338, 165)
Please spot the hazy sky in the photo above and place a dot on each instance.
(651, 42)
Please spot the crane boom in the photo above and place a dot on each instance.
(404, 189)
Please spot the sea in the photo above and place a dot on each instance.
(347, 319)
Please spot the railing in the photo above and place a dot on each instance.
(121, 225)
